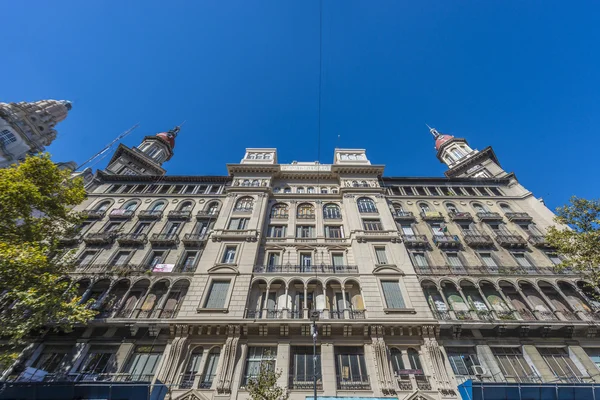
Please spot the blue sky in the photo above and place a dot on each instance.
(522, 77)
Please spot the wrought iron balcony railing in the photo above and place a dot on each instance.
(121, 214)
(476, 239)
(489, 216)
(508, 239)
(93, 214)
(150, 214)
(460, 216)
(432, 216)
(194, 239)
(305, 269)
(446, 241)
(304, 382)
(179, 214)
(99, 238)
(345, 382)
(518, 216)
(132, 238)
(404, 215)
(415, 240)
(164, 239)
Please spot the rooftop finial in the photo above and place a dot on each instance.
(433, 131)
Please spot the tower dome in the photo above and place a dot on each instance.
(169, 136)
(441, 139)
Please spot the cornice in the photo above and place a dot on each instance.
(106, 177)
(464, 165)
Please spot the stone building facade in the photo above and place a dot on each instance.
(418, 284)
(27, 128)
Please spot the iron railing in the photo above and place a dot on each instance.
(179, 214)
(489, 216)
(353, 382)
(120, 214)
(164, 238)
(150, 214)
(305, 269)
(460, 216)
(132, 238)
(518, 216)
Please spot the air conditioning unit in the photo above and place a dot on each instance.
(478, 370)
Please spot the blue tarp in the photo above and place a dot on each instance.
(471, 390)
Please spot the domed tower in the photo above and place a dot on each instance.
(27, 128)
(145, 159)
(462, 160)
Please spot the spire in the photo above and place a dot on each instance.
(433, 131)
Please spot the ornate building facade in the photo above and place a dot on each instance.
(27, 128)
(418, 284)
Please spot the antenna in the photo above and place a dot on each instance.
(108, 146)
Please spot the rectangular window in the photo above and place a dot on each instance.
(306, 259)
(462, 360)
(156, 257)
(433, 191)
(454, 260)
(217, 294)
(142, 227)
(201, 189)
(189, 189)
(381, 255)
(372, 225)
(238, 223)
(594, 355)
(210, 370)
(554, 257)
(229, 255)
(333, 231)
(407, 230)
(302, 367)
(305, 231)
(143, 362)
(86, 258)
(114, 188)
(421, 191)
(560, 363)
(53, 359)
(522, 260)
(337, 259)
(488, 260)
(112, 227)
(513, 364)
(214, 189)
(164, 189)
(420, 259)
(99, 362)
(257, 357)
(173, 228)
(177, 189)
(121, 258)
(351, 368)
(7, 137)
(273, 259)
(437, 228)
(276, 231)
(408, 190)
(496, 191)
(188, 261)
(392, 294)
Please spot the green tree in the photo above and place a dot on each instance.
(579, 242)
(264, 386)
(35, 202)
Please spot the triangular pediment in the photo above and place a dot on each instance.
(418, 396)
(192, 395)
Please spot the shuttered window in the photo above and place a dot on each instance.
(217, 294)
(420, 259)
(381, 256)
(392, 294)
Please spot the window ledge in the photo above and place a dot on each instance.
(223, 310)
(400, 310)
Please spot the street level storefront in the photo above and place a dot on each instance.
(472, 390)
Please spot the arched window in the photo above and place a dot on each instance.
(244, 204)
(451, 208)
(415, 361)
(276, 189)
(279, 210)
(246, 182)
(255, 182)
(324, 190)
(103, 206)
(331, 211)
(397, 361)
(310, 189)
(212, 208)
(186, 206)
(287, 190)
(300, 190)
(268, 156)
(457, 153)
(130, 206)
(251, 156)
(354, 184)
(505, 207)
(424, 207)
(210, 368)
(158, 206)
(364, 184)
(479, 208)
(398, 208)
(192, 369)
(306, 210)
(259, 156)
(366, 205)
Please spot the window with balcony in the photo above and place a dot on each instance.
(366, 205)
(53, 361)
(424, 207)
(112, 227)
(130, 206)
(287, 190)
(273, 259)
(522, 260)
(172, 228)
(99, 363)
(259, 357)
(300, 190)
(333, 231)
(451, 208)
(381, 255)
(331, 211)
(351, 369)
(245, 204)
(454, 260)
(438, 229)
(337, 259)
(212, 208)
(372, 225)
(143, 363)
(513, 365)
(210, 369)
(158, 206)
(192, 368)
(488, 260)
(306, 259)
(302, 370)
(392, 294)
(276, 231)
(155, 258)
(238, 223)
(186, 206)
(420, 259)
(553, 257)
(561, 365)
(397, 362)
(305, 231)
(142, 227)
(217, 294)
(462, 360)
(229, 255)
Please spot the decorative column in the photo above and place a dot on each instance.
(229, 352)
(346, 312)
(386, 381)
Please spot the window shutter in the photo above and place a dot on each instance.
(337, 259)
(392, 294)
(381, 256)
(217, 295)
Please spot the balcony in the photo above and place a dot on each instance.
(446, 241)
(207, 214)
(460, 216)
(193, 239)
(506, 315)
(463, 315)
(415, 240)
(179, 214)
(249, 235)
(69, 240)
(119, 214)
(305, 216)
(280, 216)
(489, 216)
(404, 382)
(432, 216)
(485, 315)
(404, 215)
(99, 238)
(164, 239)
(422, 382)
(93, 214)
(353, 383)
(243, 210)
(332, 216)
(304, 382)
(510, 240)
(518, 217)
(538, 241)
(477, 239)
(132, 238)
(305, 269)
(150, 214)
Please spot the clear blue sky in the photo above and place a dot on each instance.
(520, 76)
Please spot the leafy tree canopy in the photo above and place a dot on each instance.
(264, 386)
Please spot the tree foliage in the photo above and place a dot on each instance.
(35, 202)
(579, 242)
(264, 386)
